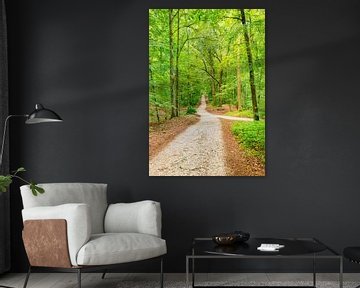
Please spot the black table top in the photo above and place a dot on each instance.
(203, 246)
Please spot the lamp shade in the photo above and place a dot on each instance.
(42, 115)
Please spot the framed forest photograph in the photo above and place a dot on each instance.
(207, 92)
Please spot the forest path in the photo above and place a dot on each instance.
(198, 151)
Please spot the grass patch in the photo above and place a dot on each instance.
(243, 113)
(251, 136)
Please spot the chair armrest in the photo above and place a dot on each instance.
(78, 223)
(138, 217)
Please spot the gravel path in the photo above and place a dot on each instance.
(198, 151)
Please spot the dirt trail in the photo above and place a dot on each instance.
(198, 151)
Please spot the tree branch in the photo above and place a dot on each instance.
(237, 18)
(217, 56)
(205, 69)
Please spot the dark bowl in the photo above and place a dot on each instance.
(225, 239)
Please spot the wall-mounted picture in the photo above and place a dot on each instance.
(207, 92)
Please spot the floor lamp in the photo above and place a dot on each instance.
(39, 115)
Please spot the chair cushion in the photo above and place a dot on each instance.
(55, 194)
(138, 217)
(114, 248)
(352, 253)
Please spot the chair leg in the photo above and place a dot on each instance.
(79, 277)
(161, 272)
(27, 277)
(103, 275)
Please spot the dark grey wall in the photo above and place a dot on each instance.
(87, 59)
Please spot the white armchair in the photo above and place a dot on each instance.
(72, 228)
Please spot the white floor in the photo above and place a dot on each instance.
(115, 280)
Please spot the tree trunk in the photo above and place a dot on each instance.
(172, 70)
(189, 92)
(177, 65)
(221, 73)
(251, 69)
(152, 89)
(238, 96)
(213, 89)
(212, 73)
(238, 77)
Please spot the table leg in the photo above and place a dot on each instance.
(193, 267)
(187, 272)
(341, 273)
(193, 272)
(314, 271)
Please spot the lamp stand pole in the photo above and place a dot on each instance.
(4, 135)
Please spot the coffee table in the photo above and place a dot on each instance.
(294, 248)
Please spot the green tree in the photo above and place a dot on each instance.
(214, 52)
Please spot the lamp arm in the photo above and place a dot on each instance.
(4, 134)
